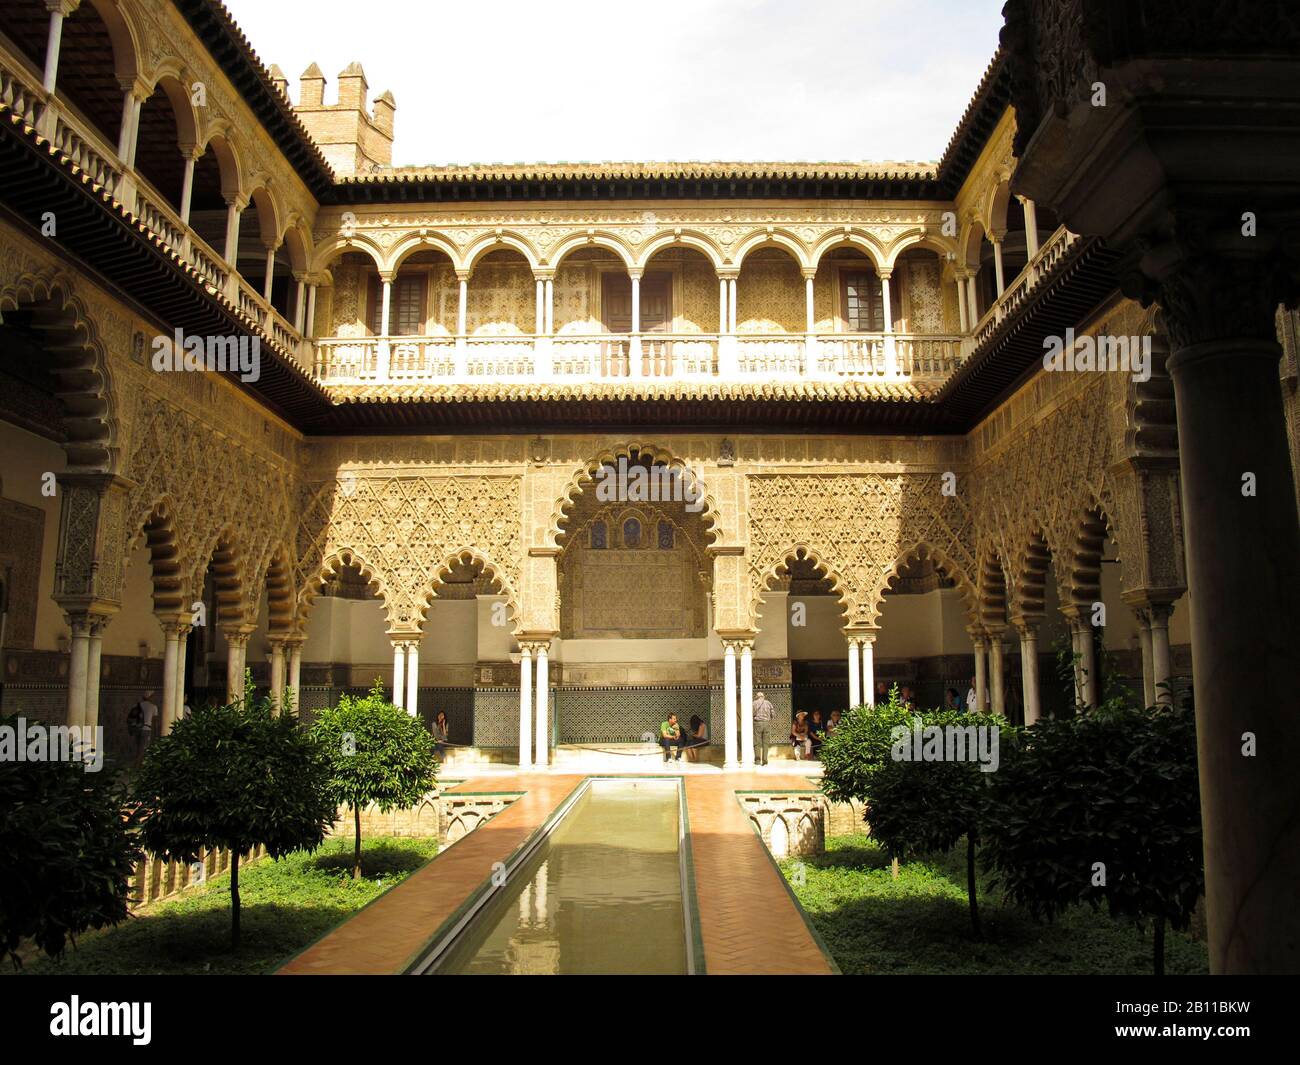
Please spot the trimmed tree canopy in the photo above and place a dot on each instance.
(67, 850)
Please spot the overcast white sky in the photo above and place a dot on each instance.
(570, 80)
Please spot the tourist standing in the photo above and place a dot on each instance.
(140, 719)
(764, 712)
(441, 735)
(970, 698)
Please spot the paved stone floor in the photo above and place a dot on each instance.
(749, 922)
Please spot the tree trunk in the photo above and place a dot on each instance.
(970, 885)
(1159, 946)
(356, 846)
(234, 899)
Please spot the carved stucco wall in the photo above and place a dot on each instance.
(1067, 445)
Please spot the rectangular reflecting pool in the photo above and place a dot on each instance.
(604, 892)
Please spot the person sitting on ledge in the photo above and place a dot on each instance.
(799, 737)
(697, 736)
(670, 736)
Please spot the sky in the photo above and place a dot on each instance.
(594, 80)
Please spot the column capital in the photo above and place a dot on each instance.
(634, 272)
(462, 276)
(239, 201)
(62, 7)
(1026, 624)
(544, 273)
(136, 87)
(728, 273)
(386, 276)
(808, 273)
(236, 635)
(884, 272)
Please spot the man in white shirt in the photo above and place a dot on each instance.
(970, 697)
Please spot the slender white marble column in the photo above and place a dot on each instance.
(310, 326)
(1031, 227)
(94, 659)
(182, 653)
(1088, 663)
(963, 316)
(271, 272)
(869, 670)
(729, 705)
(233, 210)
(997, 265)
(747, 705)
(52, 42)
(300, 303)
(1143, 617)
(634, 343)
(855, 674)
(295, 675)
(723, 319)
(130, 124)
(981, 677)
(187, 187)
(277, 674)
(1161, 669)
(995, 668)
(539, 314)
(731, 305)
(171, 663)
(385, 306)
(462, 305)
(399, 672)
(1029, 671)
(550, 306)
(542, 753)
(413, 678)
(234, 666)
(78, 669)
(525, 706)
(972, 301)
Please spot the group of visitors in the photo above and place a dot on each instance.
(672, 736)
(807, 733)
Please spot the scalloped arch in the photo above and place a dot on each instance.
(471, 556)
(78, 361)
(329, 565)
(920, 549)
(584, 476)
(800, 548)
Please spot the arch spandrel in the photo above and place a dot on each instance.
(860, 523)
(406, 527)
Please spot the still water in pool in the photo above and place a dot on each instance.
(602, 895)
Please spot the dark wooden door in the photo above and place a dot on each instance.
(656, 302)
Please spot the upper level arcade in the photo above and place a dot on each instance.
(367, 278)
